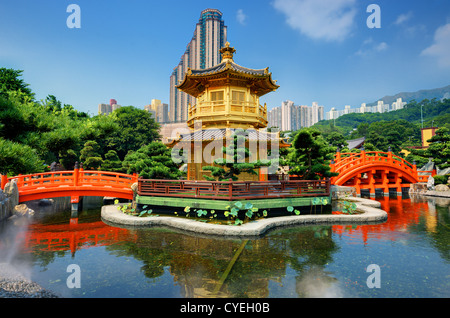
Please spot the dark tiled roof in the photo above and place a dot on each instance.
(222, 66)
(211, 134)
(355, 143)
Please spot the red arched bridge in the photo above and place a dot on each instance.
(365, 170)
(75, 184)
(376, 170)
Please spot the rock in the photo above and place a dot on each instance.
(441, 188)
(22, 210)
(430, 182)
(134, 187)
(12, 192)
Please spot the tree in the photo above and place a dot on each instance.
(10, 81)
(311, 155)
(235, 159)
(16, 158)
(90, 156)
(337, 140)
(153, 161)
(112, 162)
(136, 129)
(378, 141)
(439, 148)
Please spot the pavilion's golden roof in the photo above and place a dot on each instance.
(260, 80)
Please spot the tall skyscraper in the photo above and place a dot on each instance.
(203, 51)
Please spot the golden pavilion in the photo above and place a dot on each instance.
(227, 98)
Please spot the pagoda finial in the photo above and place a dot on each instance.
(227, 52)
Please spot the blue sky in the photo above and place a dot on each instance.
(317, 50)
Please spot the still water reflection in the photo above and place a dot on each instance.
(411, 248)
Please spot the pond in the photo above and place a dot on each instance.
(410, 250)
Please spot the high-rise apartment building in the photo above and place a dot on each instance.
(203, 51)
(292, 117)
(380, 107)
(106, 109)
(159, 110)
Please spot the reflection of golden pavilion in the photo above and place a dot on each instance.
(227, 99)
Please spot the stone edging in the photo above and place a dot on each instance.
(369, 208)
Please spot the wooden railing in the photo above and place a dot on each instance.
(233, 190)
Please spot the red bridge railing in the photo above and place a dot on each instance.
(74, 183)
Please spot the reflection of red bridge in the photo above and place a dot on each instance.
(73, 236)
(375, 170)
(74, 184)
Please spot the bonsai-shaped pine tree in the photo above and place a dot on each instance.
(152, 161)
(235, 161)
(90, 155)
(311, 156)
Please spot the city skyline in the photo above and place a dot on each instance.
(320, 51)
(203, 51)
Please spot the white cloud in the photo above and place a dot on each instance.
(330, 20)
(381, 47)
(403, 18)
(241, 17)
(369, 47)
(440, 49)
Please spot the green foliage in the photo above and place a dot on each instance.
(441, 179)
(235, 161)
(336, 139)
(348, 207)
(292, 210)
(58, 132)
(136, 129)
(248, 211)
(10, 81)
(152, 161)
(90, 156)
(16, 158)
(311, 156)
(111, 162)
(439, 150)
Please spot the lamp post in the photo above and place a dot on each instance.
(421, 114)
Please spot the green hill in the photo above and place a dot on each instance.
(438, 93)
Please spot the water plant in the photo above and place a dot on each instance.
(348, 207)
(130, 210)
(292, 210)
(318, 201)
(248, 210)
